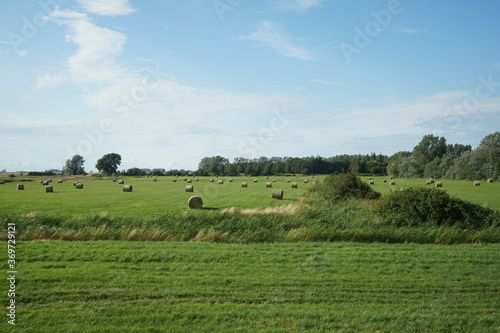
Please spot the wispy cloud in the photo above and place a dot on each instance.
(329, 83)
(107, 7)
(407, 30)
(270, 35)
(98, 48)
(298, 6)
(48, 80)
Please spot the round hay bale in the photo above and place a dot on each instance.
(60, 181)
(392, 182)
(371, 182)
(269, 184)
(74, 183)
(230, 180)
(114, 180)
(429, 181)
(189, 181)
(2, 182)
(306, 181)
(274, 180)
(49, 188)
(255, 180)
(277, 194)
(220, 182)
(19, 187)
(439, 184)
(294, 185)
(267, 177)
(384, 180)
(195, 202)
(45, 183)
(189, 188)
(196, 179)
(211, 180)
(477, 183)
(244, 184)
(79, 186)
(489, 181)
(185, 179)
(121, 182)
(174, 180)
(288, 180)
(127, 188)
(50, 180)
(154, 179)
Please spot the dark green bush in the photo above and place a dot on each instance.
(341, 187)
(416, 206)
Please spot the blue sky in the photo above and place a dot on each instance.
(166, 83)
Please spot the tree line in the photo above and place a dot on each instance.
(432, 157)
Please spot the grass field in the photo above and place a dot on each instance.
(306, 287)
(148, 198)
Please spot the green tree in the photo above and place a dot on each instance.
(427, 150)
(74, 166)
(108, 164)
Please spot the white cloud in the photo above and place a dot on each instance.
(407, 30)
(48, 80)
(107, 7)
(298, 6)
(268, 34)
(329, 83)
(98, 47)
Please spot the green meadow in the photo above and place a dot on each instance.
(207, 287)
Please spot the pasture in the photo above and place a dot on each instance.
(206, 287)
(102, 196)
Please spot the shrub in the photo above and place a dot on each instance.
(341, 187)
(431, 206)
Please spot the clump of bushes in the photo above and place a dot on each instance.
(336, 188)
(415, 206)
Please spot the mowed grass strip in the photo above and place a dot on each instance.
(306, 287)
(148, 198)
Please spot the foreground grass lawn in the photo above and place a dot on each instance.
(107, 286)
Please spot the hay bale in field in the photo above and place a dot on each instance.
(439, 184)
(288, 180)
(174, 180)
(74, 183)
(220, 182)
(196, 179)
(211, 180)
(244, 184)
(255, 180)
(274, 180)
(50, 180)
(2, 182)
(294, 185)
(306, 181)
(269, 184)
(477, 183)
(49, 188)
(195, 202)
(19, 187)
(127, 188)
(429, 181)
(60, 181)
(154, 179)
(392, 182)
(185, 179)
(230, 180)
(384, 180)
(371, 182)
(489, 181)
(121, 182)
(189, 181)
(79, 186)
(114, 180)
(189, 188)
(277, 194)
(45, 183)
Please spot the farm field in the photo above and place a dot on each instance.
(305, 287)
(487, 194)
(148, 198)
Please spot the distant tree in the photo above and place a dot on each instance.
(135, 172)
(427, 150)
(74, 166)
(109, 163)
